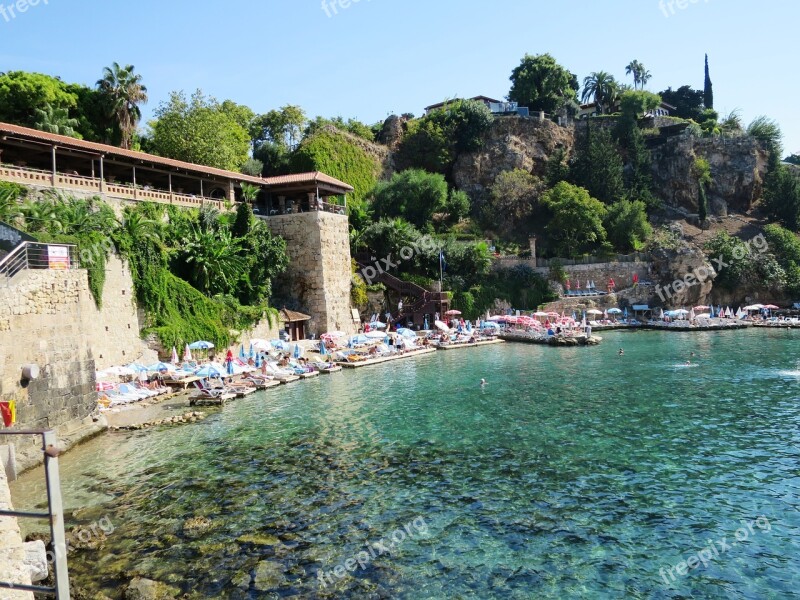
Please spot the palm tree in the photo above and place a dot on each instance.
(41, 216)
(250, 192)
(124, 92)
(55, 120)
(136, 229)
(213, 259)
(644, 77)
(602, 88)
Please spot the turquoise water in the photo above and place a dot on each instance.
(575, 473)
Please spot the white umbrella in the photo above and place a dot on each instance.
(594, 311)
(441, 325)
(374, 335)
(261, 345)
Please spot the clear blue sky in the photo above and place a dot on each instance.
(378, 57)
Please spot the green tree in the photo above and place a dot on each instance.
(708, 88)
(557, 167)
(413, 195)
(688, 102)
(627, 225)
(541, 84)
(577, 222)
(353, 126)
(283, 127)
(514, 196)
(457, 206)
(253, 167)
(793, 159)
(56, 120)
(785, 246)
(635, 104)
(199, 131)
(10, 195)
(244, 218)
(124, 92)
(21, 94)
(601, 88)
(782, 197)
(433, 142)
(597, 165)
(213, 260)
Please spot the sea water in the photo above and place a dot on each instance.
(573, 473)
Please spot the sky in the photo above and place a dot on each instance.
(368, 59)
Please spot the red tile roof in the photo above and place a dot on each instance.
(307, 178)
(106, 150)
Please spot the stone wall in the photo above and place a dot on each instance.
(599, 273)
(12, 552)
(319, 274)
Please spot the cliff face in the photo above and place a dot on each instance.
(511, 143)
(738, 166)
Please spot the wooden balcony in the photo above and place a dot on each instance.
(78, 183)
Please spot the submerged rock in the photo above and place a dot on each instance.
(259, 539)
(147, 589)
(196, 525)
(269, 576)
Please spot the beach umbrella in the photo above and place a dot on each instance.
(407, 333)
(201, 345)
(625, 314)
(296, 353)
(377, 324)
(261, 345)
(594, 311)
(187, 354)
(174, 356)
(159, 366)
(469, 326)
(258, 361)
(691, 315)
(441, 325)
(700, 307)
(490, 325)
(278, 344)
(252, 353)
(374, 335)
(614, 311)
(230, 367)
(208, 371)
(242, 355)
(771, 307)
(425, 325)
(661, 314)
(452, 313)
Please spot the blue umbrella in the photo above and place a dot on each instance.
(201, 345)
(386, 340)
(425, 323)
(242, 355)
(469, 326)
(252, 351)
(625, 314)
(207, 371)
(258, 361)
(322, 349)
(296, 351)
(230, 367)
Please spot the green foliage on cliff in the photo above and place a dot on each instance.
(413, 195)
(744, 266)
(597, 166)
(433, 142)
(627, 225)
(785, 246)
(336, 154)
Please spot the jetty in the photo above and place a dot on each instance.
(459, 346)
(551, 340)
(383, 359)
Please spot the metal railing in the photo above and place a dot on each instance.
(54, 514)
(33, 255)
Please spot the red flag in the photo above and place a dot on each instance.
(5, 411)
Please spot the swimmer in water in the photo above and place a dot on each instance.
(483, 382)
(621, 352)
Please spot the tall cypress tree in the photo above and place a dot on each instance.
(708, 89)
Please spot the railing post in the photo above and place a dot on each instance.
(57, 534)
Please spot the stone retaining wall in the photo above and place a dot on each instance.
(12, 552)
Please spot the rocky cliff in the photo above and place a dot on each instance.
(738, 166)
(511, 143)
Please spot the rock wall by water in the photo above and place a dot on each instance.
(12, 551)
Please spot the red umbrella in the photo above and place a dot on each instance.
(452, 313)
(771, 307)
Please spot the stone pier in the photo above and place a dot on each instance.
(12, 552)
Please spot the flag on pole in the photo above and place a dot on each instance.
(8, 412)
(442, 262)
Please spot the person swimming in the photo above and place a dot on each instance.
(621, 352)
(483, 382)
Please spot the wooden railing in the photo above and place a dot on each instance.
(37, 177)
